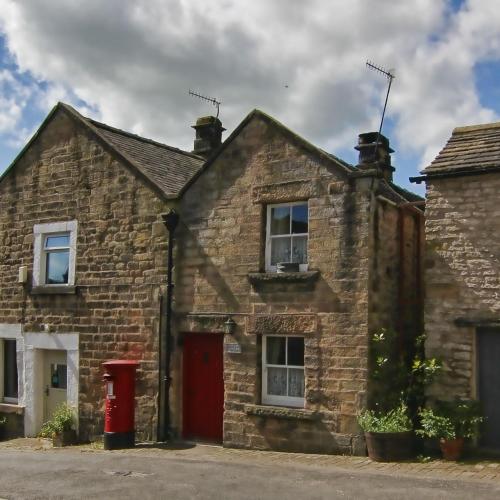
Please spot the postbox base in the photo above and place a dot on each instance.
(119, 440)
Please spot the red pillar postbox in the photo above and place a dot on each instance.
(119, 429)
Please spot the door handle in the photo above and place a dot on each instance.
(47, 390)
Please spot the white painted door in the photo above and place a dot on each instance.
(55, 381)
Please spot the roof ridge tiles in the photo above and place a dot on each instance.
(478, 128)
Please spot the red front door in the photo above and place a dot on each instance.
(203, 387)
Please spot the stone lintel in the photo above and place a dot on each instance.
(282, 324)
(478, 322)
(281, 412)
(203, 323)
(286, 191)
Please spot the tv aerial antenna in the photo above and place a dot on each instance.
(211, 100)
(389, 74)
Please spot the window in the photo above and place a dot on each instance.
(55, 254)
(283, 371)
(56, 257)
(287, 234)
(58, 376)
(8, 359)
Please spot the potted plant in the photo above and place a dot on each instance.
(452, 423)
(3, 423)
(389, 435)
(397, 388)
(61, 427)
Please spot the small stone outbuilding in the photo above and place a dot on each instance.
(462, 270)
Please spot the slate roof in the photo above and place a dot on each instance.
(469, 149)
(396, 193)
(171, 171)
(168, 167)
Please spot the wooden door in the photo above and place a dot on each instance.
(489, 385)
(55, 381)
(203, 383)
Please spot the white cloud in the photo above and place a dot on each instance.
(303, 62)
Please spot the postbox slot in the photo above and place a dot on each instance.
(110, 389)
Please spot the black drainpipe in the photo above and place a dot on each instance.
(170, 219)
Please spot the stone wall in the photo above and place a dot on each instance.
(462, 274)
(396, 274)
(120, 263)
(221, 244)
(396, 301)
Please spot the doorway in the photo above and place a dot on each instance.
(55, 381)
(488, 356)
(203, 387)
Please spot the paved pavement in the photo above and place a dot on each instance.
(32, 469)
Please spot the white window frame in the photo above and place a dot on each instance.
(269, 237)
(272, 399)
(41, 231)
(3, 398)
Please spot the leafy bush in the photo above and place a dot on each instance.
(63, 419)
(400, 374)
(435, 426)
(451, 420)
(395, 420)
(3, 420)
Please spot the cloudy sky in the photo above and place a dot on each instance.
(130, 63)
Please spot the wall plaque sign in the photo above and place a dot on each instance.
(233, 348)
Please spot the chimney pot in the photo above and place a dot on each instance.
(208, 135)
(375, 156)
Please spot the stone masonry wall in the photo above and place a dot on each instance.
(396, 274)
(120, 263)
(221, 241)
(462, 273)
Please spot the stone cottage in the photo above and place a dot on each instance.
(286, 259)
(462, 270)
(295, 371)
(82, 266)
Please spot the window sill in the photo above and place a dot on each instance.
(282, 412)
(11, 408)
(54, 290)
(298, 277)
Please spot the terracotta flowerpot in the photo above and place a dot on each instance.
(389, 446)
(451, 448)
(65, 438)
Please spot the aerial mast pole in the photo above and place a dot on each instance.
(389, 74)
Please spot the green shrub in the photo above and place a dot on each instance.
(399, 374)
(63, 419)
(3, 420)
(435, 426)
(451, 420)
(395, 420)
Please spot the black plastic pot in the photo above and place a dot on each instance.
(390, 446)
(2, 432)
(64, 438)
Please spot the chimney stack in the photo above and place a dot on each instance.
(208, 135)
(373, 156)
